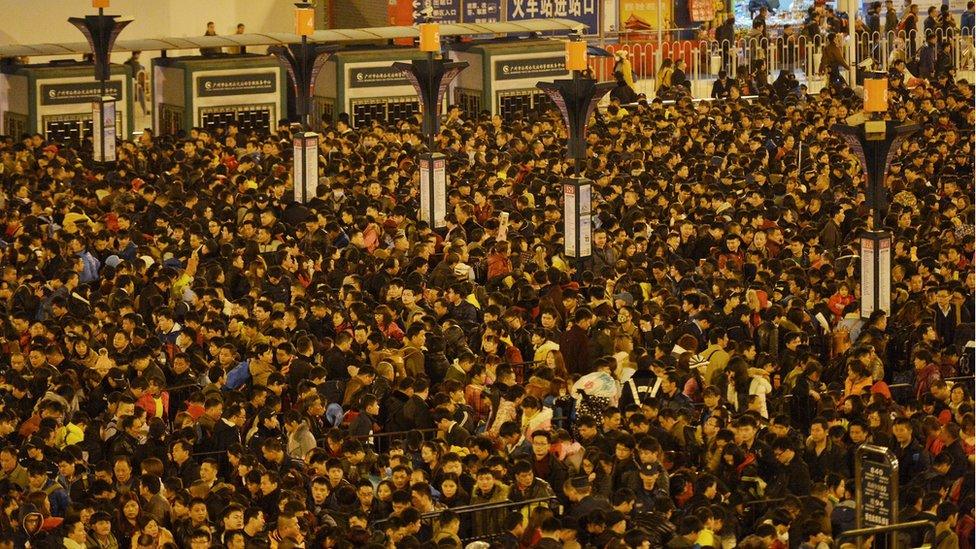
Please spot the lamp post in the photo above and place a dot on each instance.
(873, 138)
(431, 77)
(101, 31)
(576, 99)
(303, 62)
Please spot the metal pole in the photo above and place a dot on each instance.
(660, 38)
(101, 97)
(304, 192)
(579, 253)
(431, 115)
(852, 41)
(303, 95)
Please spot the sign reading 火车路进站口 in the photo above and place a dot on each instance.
(237, 84)
(512, 69)
(78, 92)
(583, 11)
(373, 77)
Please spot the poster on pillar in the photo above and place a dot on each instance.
(586, 12)
(884, 275)
(867, 277)
(642, 15)
(305, 166)
(103, 130)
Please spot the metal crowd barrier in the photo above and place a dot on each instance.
(861, 533)
(499, 507)
(796, 52)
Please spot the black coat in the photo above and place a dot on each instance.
(791, 479)
(417, 414)
(225, 436)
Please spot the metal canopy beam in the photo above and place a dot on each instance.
(329, 36)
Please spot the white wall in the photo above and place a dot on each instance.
(23, 19)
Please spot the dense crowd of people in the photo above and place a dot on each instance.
(193, 359)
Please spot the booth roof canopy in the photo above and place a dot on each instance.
(330, 36)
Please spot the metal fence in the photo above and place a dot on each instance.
(795, 52)
(491, 529)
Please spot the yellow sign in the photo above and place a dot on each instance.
(875, 94)
(430, 37)
(576, 55)
(304, 21)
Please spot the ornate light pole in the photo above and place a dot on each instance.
(303, 62)
(576, 99)
(101, 31)
(431, 77)
(874, 138)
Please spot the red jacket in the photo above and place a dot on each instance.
(146, 403)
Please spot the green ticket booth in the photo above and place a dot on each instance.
(209, 92)
(363, 84)
(55, 99)
(502, 75)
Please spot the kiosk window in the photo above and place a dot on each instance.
(14, 124)
(468, 100)
(514, 103)
(541, 103)
(71, 128)
(522, 102)
(388, 110)
(324, 109)
(249, 118)
(170, 118)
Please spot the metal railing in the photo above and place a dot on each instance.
(862, 533)
(796, 52)
(464, 510)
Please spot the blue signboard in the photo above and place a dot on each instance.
(584, 11)
(481, 11)
(446, 11)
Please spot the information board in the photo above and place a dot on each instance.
(577, 221)
(876, 486)
(481, 11)
(103, 130)
(867, 276)
(433, 189)
(306, 176)
(884, 275)
(445, 11)
(569, 219)
(876, 494)
(583, 11)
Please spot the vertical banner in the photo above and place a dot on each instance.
(433, 189)
(305, 165)
(583, 11)
(868, 261)
(569, 219)
(884, 273)
(585, 220)
(577, 221)
(103, 129)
